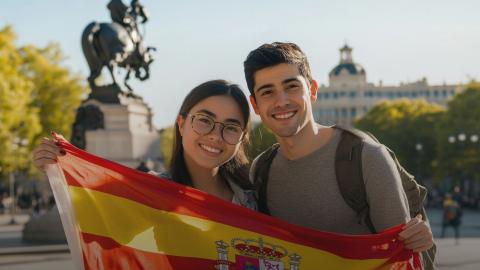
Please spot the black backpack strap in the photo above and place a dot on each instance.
(349, 174)
(260, 176)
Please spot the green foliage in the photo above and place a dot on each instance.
(57, 93)
(37, 95)
(402, 125)
(166, 144)
(17, 118)
(460, 159)
(261, 138)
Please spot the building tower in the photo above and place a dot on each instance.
(347, 73)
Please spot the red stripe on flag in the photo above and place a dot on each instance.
(104, 253)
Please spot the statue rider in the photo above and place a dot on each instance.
(119, 13)
(127, 16)
(139, 11)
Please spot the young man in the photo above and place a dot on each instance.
(302, 186)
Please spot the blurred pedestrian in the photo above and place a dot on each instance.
(457, 196)
(2, 206)
(35, 208)
(452, 216)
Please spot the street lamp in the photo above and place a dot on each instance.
(462, 137)
(13, 201)
(419, 148)
(464, 142)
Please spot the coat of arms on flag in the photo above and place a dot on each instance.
(255, 254)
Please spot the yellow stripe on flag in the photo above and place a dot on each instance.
(148, 229)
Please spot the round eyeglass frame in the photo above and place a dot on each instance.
(223, 125)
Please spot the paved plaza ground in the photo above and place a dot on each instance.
(17, 255)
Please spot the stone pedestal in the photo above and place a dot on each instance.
(45, 228)
(128, 135)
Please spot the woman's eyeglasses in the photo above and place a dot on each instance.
(203, 125)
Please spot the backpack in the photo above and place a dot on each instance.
(348, 169)
(451, 213)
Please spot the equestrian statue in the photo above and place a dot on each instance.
(118, 44)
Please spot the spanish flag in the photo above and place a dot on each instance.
(118, 218)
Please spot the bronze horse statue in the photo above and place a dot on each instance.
(117, 44)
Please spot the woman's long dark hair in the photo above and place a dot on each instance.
(236, 168)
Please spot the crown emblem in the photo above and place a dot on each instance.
(255, 254)
(259, 249)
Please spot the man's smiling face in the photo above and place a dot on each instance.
(283, 99)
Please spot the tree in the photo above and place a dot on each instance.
(166, 144)
(57, 93)
(261, 138)
(19, 122)
(460, 158)
(37, 95)
(408, 128)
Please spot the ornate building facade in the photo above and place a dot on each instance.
(350, 96)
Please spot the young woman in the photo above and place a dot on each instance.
(211, 132)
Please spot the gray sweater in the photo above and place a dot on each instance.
(305, 191)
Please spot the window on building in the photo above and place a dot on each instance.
(352, 94)
(353, 112)
(335, 95)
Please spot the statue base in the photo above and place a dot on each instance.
(45, 228)
(110, 94)
(128, 135)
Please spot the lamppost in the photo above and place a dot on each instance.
(419, 148)
(462, 137)
(16, 144)
(462, 140)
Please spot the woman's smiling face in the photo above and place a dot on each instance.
(211, 150)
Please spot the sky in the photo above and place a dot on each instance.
(196, 41)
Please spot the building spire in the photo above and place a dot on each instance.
(346, 54)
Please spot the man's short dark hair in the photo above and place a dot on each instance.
(269, 55)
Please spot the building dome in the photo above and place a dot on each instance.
(351, 68)
(347, 72)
